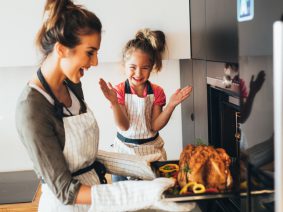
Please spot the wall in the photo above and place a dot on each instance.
(12, 79)
(122, 18)
(20, 21)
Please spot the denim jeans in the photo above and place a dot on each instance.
(117, 178)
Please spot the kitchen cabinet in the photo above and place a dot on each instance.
(194, 110)
(221, 30)
(200, 100)
(187, 106)
(255, 35)
(198, 35)
(214, 38)
(120, 19)
(214, 30)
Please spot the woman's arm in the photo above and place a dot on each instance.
(84, 195)
(128, 165)
(160, 118)
(119, 111)
(42, 133)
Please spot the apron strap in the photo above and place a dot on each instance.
(81, 99)
(128, 87)
(149, 88)
(136, 141)
(58, 106)
(99, 169)
(97, 166)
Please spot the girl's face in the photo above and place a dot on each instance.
(138, 67)
(81, 58)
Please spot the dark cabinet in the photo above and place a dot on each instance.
(255, 36)
(200, 100)
(214, 30)
(198, 37)
(194, 110)
(221, 30)
(187, 106)
(214, 37)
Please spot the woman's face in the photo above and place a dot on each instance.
(81, 58)
(138, 67)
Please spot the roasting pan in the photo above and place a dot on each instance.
(233, 193)
(169, 196)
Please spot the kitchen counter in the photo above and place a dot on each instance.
(23, 207)
(18, 186)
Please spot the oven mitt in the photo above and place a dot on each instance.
(128, 195)
(128, 165)
(173, 206)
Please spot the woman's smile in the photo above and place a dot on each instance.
(82, 72)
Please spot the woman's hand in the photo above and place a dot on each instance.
(108, 91)
(180, 95)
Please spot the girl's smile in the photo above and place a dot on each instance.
(138, 68)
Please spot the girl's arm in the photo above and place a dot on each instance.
(160, 118)
(120, 116)
(119, 111)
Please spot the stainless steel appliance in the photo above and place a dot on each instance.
(256, 115)
(237, 34)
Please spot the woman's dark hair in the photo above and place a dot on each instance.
(151, 42)
(65, 22)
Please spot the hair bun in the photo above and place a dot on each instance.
(155, 38)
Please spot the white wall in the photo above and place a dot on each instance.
(122, 18)
(12, 153)
(21, 19)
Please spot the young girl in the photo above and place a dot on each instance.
(137, 103)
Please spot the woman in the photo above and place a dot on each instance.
(60, 132)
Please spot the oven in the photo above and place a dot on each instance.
(223, 102)
(229, 122)
(228, 112)
(223, 93)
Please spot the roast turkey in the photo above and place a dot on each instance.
(206, 165)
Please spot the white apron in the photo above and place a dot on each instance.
(80, 150)
(140, 112)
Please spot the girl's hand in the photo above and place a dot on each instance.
(180, 95)
(108, 91)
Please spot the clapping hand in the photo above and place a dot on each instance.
(255, 85)
(108, 91)
(180, 95)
